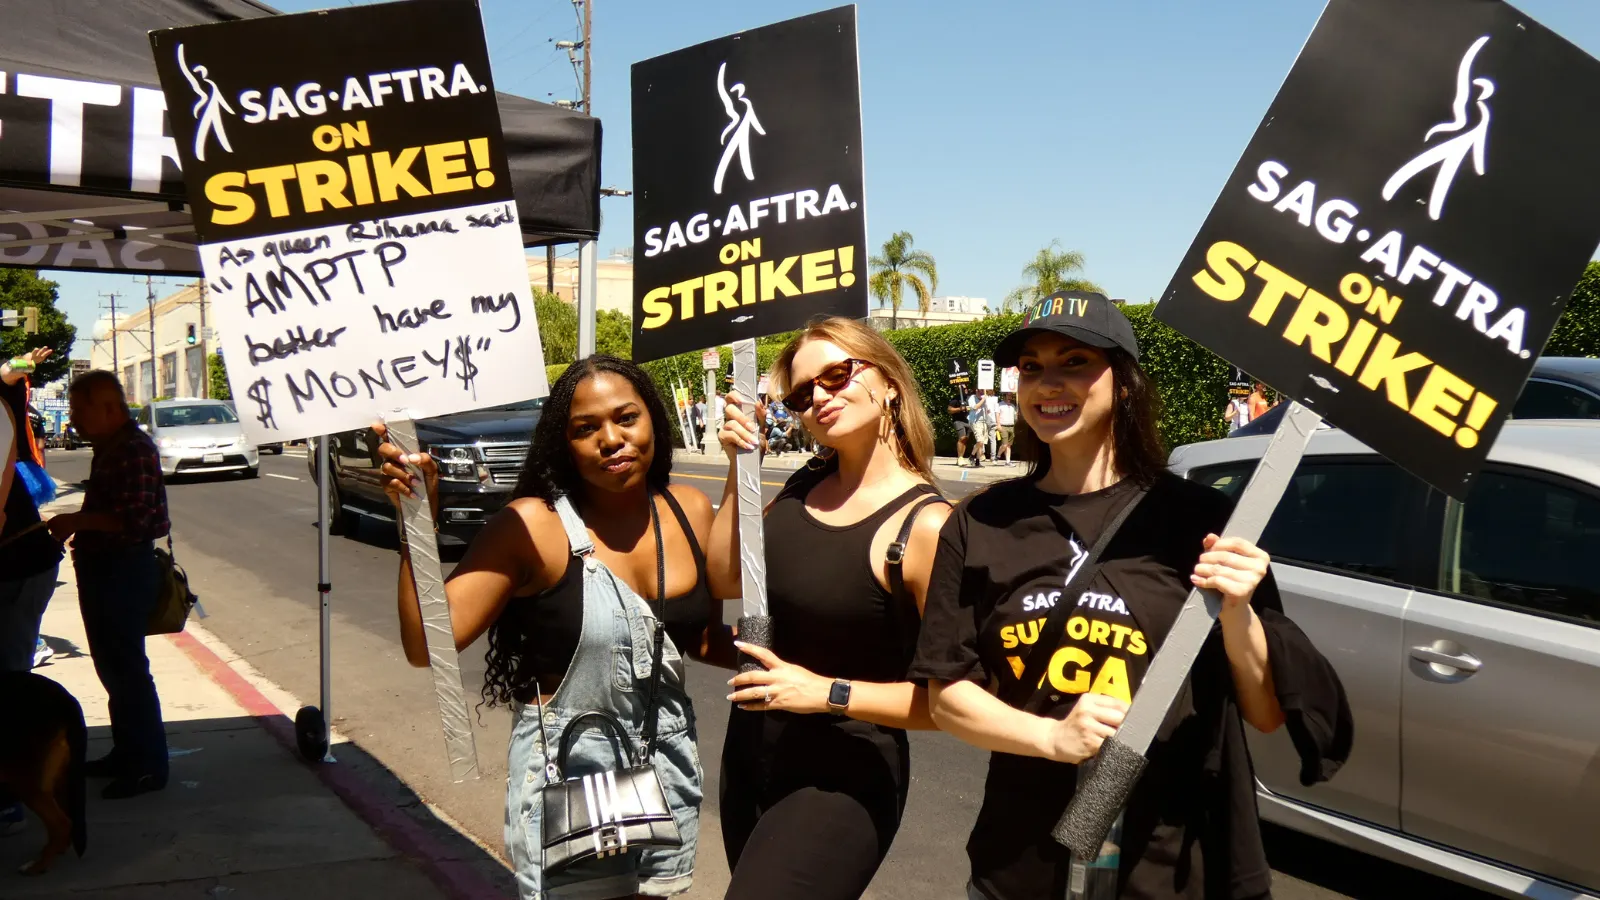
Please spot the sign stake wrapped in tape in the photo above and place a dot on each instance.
(749, 214)
(1391, 251)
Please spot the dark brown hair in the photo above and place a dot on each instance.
(1135, 430)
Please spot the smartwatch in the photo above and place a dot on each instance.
(839, 696)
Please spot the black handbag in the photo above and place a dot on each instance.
(613, 811)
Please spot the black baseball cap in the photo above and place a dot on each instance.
(1084, 316)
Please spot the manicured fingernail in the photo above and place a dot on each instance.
(730, 697)
(740, 644)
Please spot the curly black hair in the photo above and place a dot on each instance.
(548, 473)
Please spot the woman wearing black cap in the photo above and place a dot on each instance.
(1008, 556)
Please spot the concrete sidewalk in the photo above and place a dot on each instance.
(944, 467)
(241, 817)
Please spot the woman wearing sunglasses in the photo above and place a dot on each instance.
(1036, 636)
(816, 764)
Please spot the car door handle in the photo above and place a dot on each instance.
(1464, 661)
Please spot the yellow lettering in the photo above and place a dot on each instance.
(1229, 261)
(775, 279)
(657, 308)
(747, 284)
(1119, 634)
(816, 272)
(1099, 632)
(1441, 399)
(230, 203)
(1079, 682)
(1016, 666)
(321, 181)
(355, 134)
(1008, 637)
(750, 249)
(273, 178)
(1383, 366)
(360, 179)
(1113, 680)
(444, 162)
(1278, 285)
(729, 254)
(394, 174)
(1077, 627)
(1383, 305)
(720, 291)
(684, 290)
(1360, 339)
(325, 138)
(1319, 321)
(1028, 632)
(1136, 644)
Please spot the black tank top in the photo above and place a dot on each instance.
(548, 624)
(829, 613)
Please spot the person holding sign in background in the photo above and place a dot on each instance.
(1050, 595)
(816, 764)
(558, 579)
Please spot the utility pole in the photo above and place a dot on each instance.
(150, 301)
(550, 269)
(588, 290)
(588, 47)
(205, 347)
(116, 364)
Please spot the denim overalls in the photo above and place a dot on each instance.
(610, 671)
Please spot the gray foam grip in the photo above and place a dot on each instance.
(757, 631)
(1088, 819)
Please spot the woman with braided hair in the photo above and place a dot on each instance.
(816, 764)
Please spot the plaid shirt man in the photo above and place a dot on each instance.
(125, 481)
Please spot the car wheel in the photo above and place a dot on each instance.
(254, 472)
(340, 520)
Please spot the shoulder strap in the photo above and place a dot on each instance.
(1019, 693)
(688, 532)
(899, 598)
(577, 532)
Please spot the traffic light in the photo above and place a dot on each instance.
(190, 338)
(30, 320)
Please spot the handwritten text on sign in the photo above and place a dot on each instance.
(326, 328)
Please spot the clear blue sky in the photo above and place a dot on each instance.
(991, 128)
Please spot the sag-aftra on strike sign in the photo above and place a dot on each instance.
(749, 217)
(354, 206)
(1399, 238)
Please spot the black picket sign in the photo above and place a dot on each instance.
(749, 214)
(1399, 238)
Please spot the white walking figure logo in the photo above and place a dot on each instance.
(739, 126)
(1449, 155)
(208, 109)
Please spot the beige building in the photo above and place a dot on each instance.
(941, 311)
(614, 279)
(174, 368)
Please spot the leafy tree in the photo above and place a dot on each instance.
(1578, 330)
(1049, 271)
(558, 328)
(21, 288)
(217, 372)
(898, 268)
(613, 334)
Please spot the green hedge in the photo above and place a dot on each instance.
(1578, 331)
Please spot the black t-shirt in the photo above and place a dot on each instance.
(1003, 558)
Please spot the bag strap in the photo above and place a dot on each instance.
(894, 565)
(653, 704)
(604, 718)
(1055, 625)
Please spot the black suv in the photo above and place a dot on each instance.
(480, 455)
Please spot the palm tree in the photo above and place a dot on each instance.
(898, 268)
(1047, 273)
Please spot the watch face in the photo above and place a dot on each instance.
(839, 695)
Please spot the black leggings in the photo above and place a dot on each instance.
(809, 814)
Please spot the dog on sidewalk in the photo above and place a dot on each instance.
(42, 743)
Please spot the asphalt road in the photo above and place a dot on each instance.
(250, 547)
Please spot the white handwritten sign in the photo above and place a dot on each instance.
(355, 213)
(325, 329)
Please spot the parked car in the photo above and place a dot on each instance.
(198, 437)
(480, 455)
(1561, 387)
(1467, 636)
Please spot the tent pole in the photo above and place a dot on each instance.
(588, 298)
(324, 588)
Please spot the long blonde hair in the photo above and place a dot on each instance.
(908, 421)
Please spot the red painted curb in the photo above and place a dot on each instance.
(458, 879)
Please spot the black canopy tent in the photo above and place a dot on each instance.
(90, 180)
(89, 176)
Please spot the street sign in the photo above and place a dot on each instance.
(1398, 240)
(749, 213)
(208, 334)
(711, 360)
(985, 374)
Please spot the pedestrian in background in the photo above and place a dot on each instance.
(29, 559)
(1005, 417)
(979, 426)
(113, 552)
(1258, 401)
